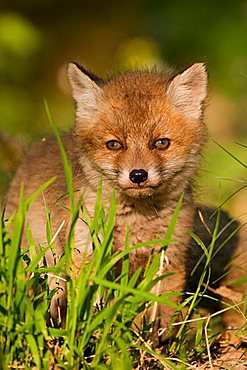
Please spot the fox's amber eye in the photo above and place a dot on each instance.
(163, 143)
(114, 145)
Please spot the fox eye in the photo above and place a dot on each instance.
(162, 143)
(113, 145)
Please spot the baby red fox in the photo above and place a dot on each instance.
(142, 132)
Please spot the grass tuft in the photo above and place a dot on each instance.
(101, 330)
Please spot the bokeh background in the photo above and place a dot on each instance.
(39, 37)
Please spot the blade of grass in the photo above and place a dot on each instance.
(66, 165)
(231, 155)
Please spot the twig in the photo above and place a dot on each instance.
(57, 232)
(158, 286)
(207, 342)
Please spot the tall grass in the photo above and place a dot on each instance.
(101, 308)
(101, 331)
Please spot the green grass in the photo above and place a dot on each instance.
(100, 331)
(101, 308)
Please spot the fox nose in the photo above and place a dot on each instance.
(138, 176)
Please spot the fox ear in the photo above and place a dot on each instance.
(85, 90)
(188, 91)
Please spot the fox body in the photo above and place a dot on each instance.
(142, 132)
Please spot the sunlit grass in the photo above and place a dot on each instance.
(101, 307)
(100, 331)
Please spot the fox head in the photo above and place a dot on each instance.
(141, 131)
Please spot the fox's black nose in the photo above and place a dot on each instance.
(138, 176)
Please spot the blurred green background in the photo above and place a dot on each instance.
(39, 37)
